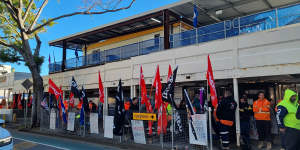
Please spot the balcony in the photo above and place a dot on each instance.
(238, 26)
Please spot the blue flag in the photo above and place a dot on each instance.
(82, 116)
(74, 88)
(195, 23)
(63, 110)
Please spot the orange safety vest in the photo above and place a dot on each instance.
(66, 105)
(261, 109)
(127, 105)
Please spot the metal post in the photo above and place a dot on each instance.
(277, 19)
(196, 36)
(237, 114)
(172, 123)
(161, 130)
(225, 30)
(26, 108)
(239, 21)
(210, 128)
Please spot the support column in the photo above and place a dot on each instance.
(133, 91)
(166, 23)
(237, 114)
(85, 54)
(64, 56)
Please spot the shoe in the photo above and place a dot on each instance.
(269, 146)
(260, 145)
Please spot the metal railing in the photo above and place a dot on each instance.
(248, 24)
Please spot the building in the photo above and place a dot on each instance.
(254, 45)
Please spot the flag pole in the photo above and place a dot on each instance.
(209, 117)
(139, 99)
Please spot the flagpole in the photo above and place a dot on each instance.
(139, 99)
(209, 117)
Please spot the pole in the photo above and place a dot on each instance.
(26, 108)
(209, 118)
(237, 114)
(161, 129)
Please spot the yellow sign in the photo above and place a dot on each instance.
(144, 116)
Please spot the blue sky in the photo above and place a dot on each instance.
(76, 24)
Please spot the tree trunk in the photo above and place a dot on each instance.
(38, 92)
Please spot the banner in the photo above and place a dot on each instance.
(71, 120)
(108, 127)
(211, 83)
(200, 125)
(94, 123)
(138, 131)
(52, 119)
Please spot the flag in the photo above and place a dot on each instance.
(14, 101)
(63, 109)
(144, 99)
(71, 99)
(189, 106)
(162, 121)
(19, 102)
(74, 88)
(76, 53)
(85, 101)
(169, 72)
(44, 103)
(168, 92)
(81, 116)
(101, 90)
(119, 115)
(53, 89)
(211, 83)
(195, 17)
(157, 85)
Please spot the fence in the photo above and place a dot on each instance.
(173, 136)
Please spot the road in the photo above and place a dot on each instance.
(28, 141)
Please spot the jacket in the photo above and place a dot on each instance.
(226, 111)
(261, 109)
(245, 111)
(288, 117)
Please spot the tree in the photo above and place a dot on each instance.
(20, 22)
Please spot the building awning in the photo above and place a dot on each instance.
(210, 11)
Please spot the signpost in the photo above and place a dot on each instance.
(144, 116)
(26, 84)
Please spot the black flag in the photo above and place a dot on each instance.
(168, 92)
(189, 106)
(74, 88)
(85, 100)
(119, 115)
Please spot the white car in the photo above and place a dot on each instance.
(6, 141)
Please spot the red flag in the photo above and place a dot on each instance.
(162, 121)
(71, 99)
(144, 99)
(169, 72)
(30, 102)
(19, 102)
(211, 83)
(14, 102)
(157, 85)
(53, 89)
(101, 91)
(61, 93)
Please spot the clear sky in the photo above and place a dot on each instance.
(76, 24)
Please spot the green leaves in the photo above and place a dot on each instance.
(9, 55)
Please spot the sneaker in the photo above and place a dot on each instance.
(269, 146)
(260, 145)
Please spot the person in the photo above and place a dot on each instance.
(261, 109)
(196, 104)
(92, 106)
(281, 134)
(287, 120)
(225, 113)
(245, 113)
(134, 107)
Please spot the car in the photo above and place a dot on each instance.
(6, 140)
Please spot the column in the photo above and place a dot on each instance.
(64, 56)
(166, 29)
(237, 114)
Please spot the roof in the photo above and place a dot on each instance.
(182, 10)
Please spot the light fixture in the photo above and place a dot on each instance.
(219, 12)
(156, 20)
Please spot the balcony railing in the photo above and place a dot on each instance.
(253, 23)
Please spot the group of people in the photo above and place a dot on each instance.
(287, 116)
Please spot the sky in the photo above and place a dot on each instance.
(71, 25)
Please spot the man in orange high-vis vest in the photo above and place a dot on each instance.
(261, 109)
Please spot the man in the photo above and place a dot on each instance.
(261, 109)
(245, 113)
(225, 113)
(288, 120)
(134, 106)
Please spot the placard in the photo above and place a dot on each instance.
(71, 120)
(144, 116)
(200, 126)
(52, 119)
(108, 128)
(138, 131)
(94, 123)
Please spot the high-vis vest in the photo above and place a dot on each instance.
(290, 119)
(261, 109)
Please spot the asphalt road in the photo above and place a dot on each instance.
(28, 141)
